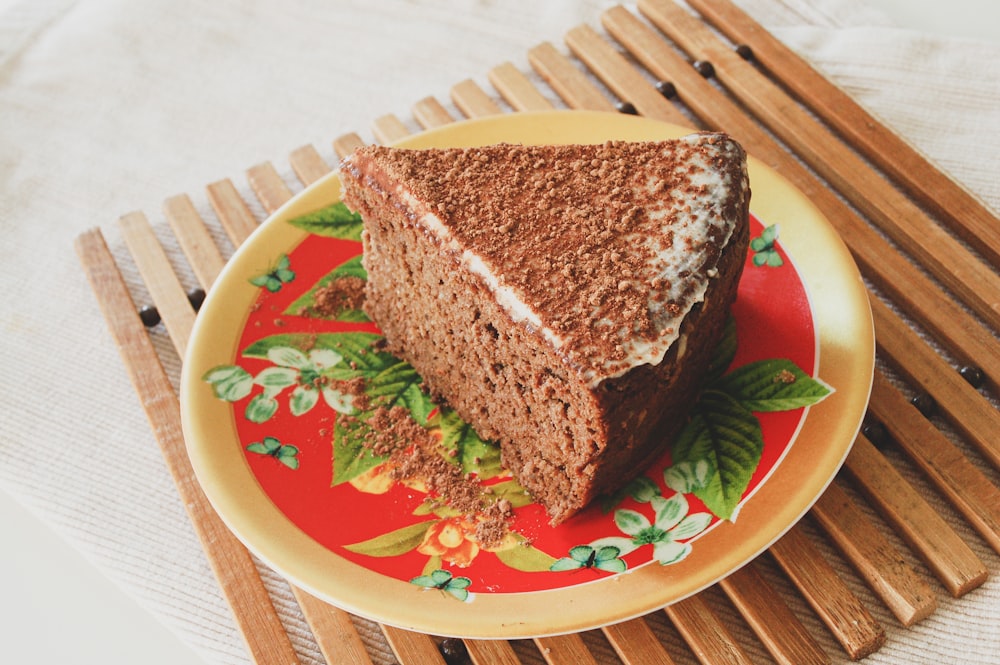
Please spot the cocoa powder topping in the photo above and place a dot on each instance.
(584, 235)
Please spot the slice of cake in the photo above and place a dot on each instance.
(564, 300)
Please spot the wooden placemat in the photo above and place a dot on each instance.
(873, 550)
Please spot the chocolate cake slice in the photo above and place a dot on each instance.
(564, 300)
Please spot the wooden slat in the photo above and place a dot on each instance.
(709, 640)
(964, 485)
(965, 214)
(571, 84)
(964, 407)
(491, 652)
(308, 164)
(973, 281)
(472, 100)
(875, 559)
(658, 56)
(268, 185)
(412, 648)
(774, 623)
(636, 643)
(389, 129)
(900, 280)
(621, 77)
(233, 213)
(168, 295)
(517, 89)
(430, 113)
(841, 611)
(337, 638)
(565, 650)
(232, 564)
(948, 557)
(275, 198)
(347, 143)
(194, 239)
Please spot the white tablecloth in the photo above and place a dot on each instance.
(109, 106)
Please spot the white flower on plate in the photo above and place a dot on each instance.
(670, 526)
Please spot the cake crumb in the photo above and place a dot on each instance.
(784, 376)
(342, 294)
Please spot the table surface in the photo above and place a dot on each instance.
(56, 607)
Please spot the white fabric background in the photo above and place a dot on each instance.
(108, 106)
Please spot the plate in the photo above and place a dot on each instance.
(275, 425)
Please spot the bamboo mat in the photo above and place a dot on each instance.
(873, 552)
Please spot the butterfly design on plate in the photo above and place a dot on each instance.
(284, 453)
(584, 556)
(275, 277)
(445, 581)
(764, 251)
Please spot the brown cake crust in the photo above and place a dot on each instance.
(563, 233)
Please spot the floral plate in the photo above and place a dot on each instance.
(285, 385)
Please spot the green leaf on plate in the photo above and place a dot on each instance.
(473, 453)
(512, 491)
(724, 434)
(686, 477)
(276, 379)
(229, 382)
(724, 352)
(261, 408)
(525, 557)
(399, 384)
(772, 385)
(355, 348)
(393, 543)
(333, 221)
(351, 457)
